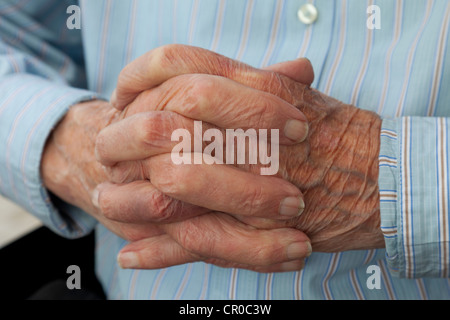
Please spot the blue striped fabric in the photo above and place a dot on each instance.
(399, 71)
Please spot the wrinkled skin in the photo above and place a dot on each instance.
(336, 168)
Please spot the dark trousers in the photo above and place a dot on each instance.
(35, 267)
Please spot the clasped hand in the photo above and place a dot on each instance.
(325, 192)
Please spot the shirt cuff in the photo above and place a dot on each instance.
(414, 198)
(30, 107)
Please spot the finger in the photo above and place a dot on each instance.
(163, 252)
(226, 104)
(129, 231)
(226, 189)
(154, 253)
(299, 70)
(150, 133)
(163, 63)
(146, 134)
(140, 202)
(221, 240)
(220, 236)
(140, 136)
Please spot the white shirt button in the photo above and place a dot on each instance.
(307, 13)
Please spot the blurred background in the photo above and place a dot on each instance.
(34, 260)
(14, 222)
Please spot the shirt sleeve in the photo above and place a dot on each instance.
(41, 76)
(414, 196)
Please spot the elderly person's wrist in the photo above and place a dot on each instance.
(68, 167)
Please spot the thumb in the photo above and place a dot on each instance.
(299, 70)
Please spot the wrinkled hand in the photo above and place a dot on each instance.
(138, 210)
(336, 167)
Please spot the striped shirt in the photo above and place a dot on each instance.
(399, 71)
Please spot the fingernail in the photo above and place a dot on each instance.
(299, 250)
(308, 244)
(113, 98)
(296, 130)
(106, 169)
(292, 206)
(128, 260)
(97, 153)
(95, 195)
(292, 266)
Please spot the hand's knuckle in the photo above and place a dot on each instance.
(151, 131)
(203, 84)
(255, 199)
(198, 94)
(164, 56)
(170, 179)
(195, 240)
(189, 239)
(101, 146)
(264, 113)
(163, 207)
(264, 255)
(105, 206)
(276, 85)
